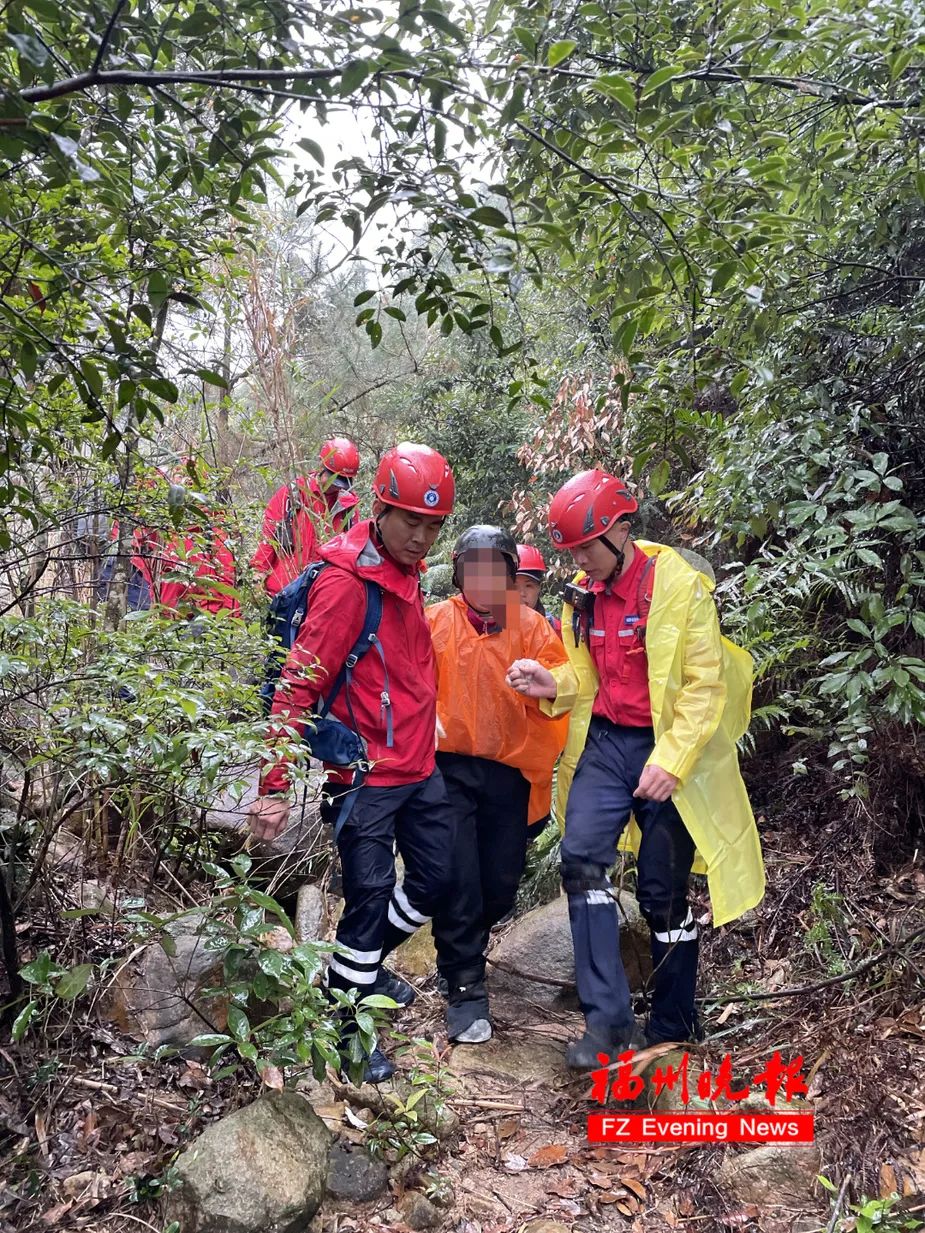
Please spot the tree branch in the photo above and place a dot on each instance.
(139, 77)
(107, 35)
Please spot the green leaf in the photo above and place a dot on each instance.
(722, 274)
(490, 216)
(353, 76)
(238, 1023)
(211, 378)
(29, 48)
(378, 1001)
(560, 51)
(658, 477)
(659, 77)
(313, 148)
(362, 298)
(73, 983)
(40, 970)
(92, 376)
(22, 1021)
(616, 86)
(209, 1040)
(439, 20)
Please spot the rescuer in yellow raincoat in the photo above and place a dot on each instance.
(496, 751)
(650, 762)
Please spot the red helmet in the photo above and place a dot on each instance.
(340, 456)
(415, 478)
(587, 506)
(530, 561)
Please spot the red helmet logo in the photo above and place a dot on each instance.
(415, 478)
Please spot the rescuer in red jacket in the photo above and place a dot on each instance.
(531, 572)
(391, 704)
(305, 512)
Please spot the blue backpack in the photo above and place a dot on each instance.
(328, 739)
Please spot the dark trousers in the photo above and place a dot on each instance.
(599, 806)
(378, 913)
(488, 809)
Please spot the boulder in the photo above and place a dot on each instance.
(517, 1060)
(95, 896)
(417, 956)
(418, 1212)
(65, 853)
(161, 998)
(354, 1175)
(261, 1169)
(670, 1099)
(305, 833)
(778, 1175)
(540, 942)
(310, 911)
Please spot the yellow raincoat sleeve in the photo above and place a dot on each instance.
(698, 705)
(566, 691)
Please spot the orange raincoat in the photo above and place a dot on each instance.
(480, 715)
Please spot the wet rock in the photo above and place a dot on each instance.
(419, 1212)
(162, 998)
(262, 1169)
(417, 956)
(540, 942)
(522, 1061)
(310, 913)
(778, 1175)
(353, 1174)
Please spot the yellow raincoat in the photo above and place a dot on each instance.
(700, 688)
(480, 715)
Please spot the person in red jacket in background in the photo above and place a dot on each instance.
(197, 572)
(305, 512)
(531, 573)
(391, 702)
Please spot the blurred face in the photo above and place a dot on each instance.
(528, 589)
(407, 537)
(596, 559)
(486, 584)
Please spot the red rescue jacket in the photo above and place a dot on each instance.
(336, 612)
(198, 559)
(290, 536)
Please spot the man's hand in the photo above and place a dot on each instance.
(531, 679)
(268, 816)
(655, 784)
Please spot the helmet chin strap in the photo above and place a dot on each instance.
(619, 553)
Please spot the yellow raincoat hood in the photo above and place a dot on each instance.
(700, 688)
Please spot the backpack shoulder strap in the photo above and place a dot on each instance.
(644, 590)
(367, 639)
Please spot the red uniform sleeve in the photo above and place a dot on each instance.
(336, 612)
(264, 558)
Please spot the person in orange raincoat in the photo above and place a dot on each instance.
(500, 667)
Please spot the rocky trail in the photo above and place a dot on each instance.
(118, 1123)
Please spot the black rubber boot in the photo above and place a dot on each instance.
(392, 986)
(378, 1067)
(468, 1021)
(582, 1054)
